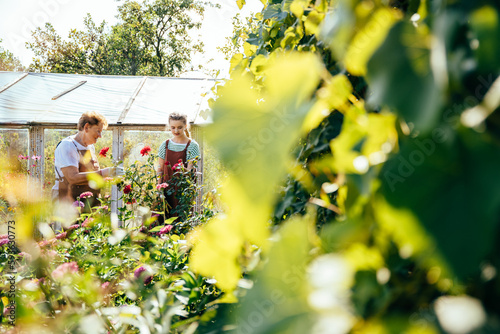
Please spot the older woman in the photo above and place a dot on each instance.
(75, 158)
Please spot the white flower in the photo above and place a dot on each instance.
(459, 314)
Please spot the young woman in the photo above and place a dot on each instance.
(180, 147)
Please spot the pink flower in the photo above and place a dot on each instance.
(78, 204)
(104, 151)
(161, 186)
(166, 229)
(36, 157)
(62, 235)
(104, 285)
(44, 243)
(25, 256)
(127, 189)
(4, 242)
(87, 222)
(145, 150)
(86, 194)
(63, 269)
(51, 254)
(139, 271)
(35, 281)
(4, 236)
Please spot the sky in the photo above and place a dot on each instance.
(19, 17)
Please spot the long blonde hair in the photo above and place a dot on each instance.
(175, 116)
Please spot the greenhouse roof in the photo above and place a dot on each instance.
(54, 98)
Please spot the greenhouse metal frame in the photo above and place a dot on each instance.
(39, 101)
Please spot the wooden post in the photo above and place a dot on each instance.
(36, 163)
(36, 149)
(118, 138)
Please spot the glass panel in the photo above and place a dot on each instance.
(13, 148)
(134, 141)
(14, 143)
(31, 98)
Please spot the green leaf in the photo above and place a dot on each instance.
(240, 3)
(462, 170)
(400, 76)
(485, 25)
(281, 288)
(313, 20)
(267, 124)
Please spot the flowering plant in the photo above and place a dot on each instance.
(184, 186)
(139, 190)
(145, 150)
(104, 151)
(101, 273)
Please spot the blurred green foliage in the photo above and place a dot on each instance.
(394, 165)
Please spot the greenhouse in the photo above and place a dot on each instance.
(43, 108)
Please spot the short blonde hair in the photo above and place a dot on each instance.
(92, 118)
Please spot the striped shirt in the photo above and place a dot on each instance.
(193, 150)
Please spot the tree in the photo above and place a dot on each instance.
(8, 62)
(151, 38)
(86, 52)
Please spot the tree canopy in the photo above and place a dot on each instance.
(151, 38)
(9, 62)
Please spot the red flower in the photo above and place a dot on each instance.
(127, 189)
(167, 163)
(178, 165)
(145, 150)
(104, 151)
